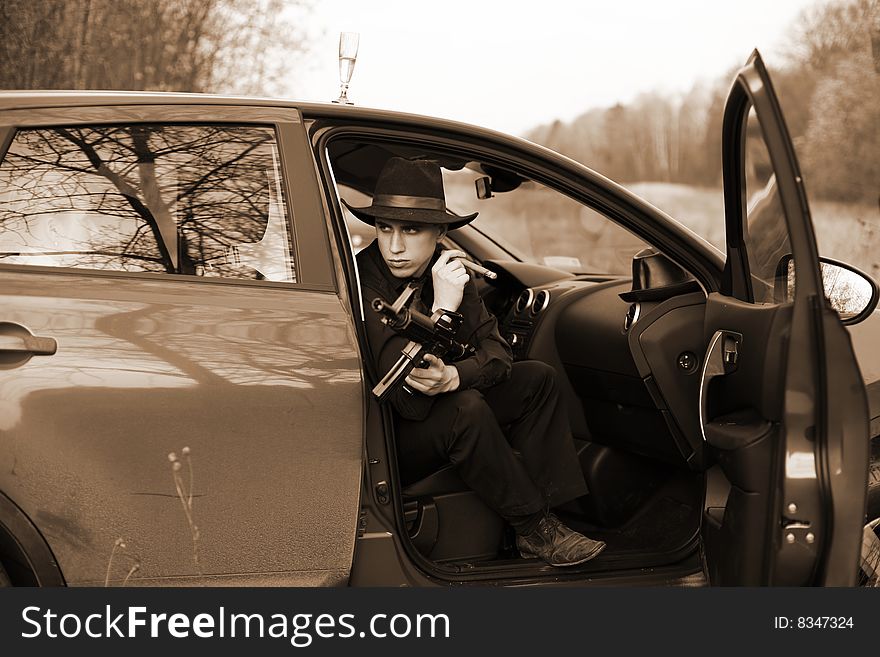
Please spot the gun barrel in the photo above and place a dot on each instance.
(388, 313)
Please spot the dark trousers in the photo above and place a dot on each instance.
(528, 466)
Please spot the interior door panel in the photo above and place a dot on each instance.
(666, 345)
(740, 425)
(753, 383)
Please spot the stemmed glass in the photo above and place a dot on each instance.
(348, 50)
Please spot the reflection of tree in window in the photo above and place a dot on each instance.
(172, 198)
(847, 292)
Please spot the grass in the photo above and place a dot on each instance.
(849, 232)
(870, 561)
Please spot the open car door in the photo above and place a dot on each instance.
(783, 409)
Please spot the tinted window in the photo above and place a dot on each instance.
(765, 230)
(185, 199)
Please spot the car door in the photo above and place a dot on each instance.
(783, 410)
(180, 391)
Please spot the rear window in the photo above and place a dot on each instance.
(201, 200)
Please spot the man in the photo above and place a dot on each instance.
(455, 411)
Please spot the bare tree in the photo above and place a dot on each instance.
(239, 46)
(835, 101)
(177, 198)
(824, 33)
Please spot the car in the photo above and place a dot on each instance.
(185, 387)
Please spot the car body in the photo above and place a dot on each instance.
(185, 385)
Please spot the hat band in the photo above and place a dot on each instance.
(415, 202)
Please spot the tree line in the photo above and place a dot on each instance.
(220, 46)
(829, 89)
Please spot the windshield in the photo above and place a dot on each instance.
(537, 224)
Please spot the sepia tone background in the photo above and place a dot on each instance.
(662, 144)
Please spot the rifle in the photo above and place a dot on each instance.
(427, 335)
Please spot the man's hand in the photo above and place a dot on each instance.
(436, 378)
(449, 277)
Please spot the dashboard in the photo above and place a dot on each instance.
(628, 363)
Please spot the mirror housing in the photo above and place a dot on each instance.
(656, 277)
(484, 187)
(850, 292)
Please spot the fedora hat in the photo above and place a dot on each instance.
(410, 190)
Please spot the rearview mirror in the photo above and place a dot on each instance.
(484, 187)
(851, 293)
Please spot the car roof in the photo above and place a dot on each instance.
(48, 99)
(18, 99)
(42, 99)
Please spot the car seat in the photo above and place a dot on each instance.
(447, 521)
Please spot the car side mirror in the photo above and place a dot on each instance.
(853, 294)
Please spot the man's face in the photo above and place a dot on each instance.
(407, 247)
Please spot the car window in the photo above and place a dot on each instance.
(543, 226)
(765, 230)
(360, 234)
(204, 200)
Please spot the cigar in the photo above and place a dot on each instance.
(488, 273)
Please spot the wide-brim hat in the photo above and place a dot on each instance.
(410, 190)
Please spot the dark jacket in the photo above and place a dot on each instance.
(489, 365)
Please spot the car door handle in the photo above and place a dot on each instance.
(721, 359)
(17, 340)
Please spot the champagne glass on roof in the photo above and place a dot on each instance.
(348, 49)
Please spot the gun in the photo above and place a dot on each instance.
(427, 335)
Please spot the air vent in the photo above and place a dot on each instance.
(524, 300)
(632, 316)
(542, 300)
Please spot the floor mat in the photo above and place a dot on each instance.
(665, 524)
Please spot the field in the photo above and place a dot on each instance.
(844, 231)
(550, 228)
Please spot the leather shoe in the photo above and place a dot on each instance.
(557, 544)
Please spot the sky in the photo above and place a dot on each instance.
(511, 65)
